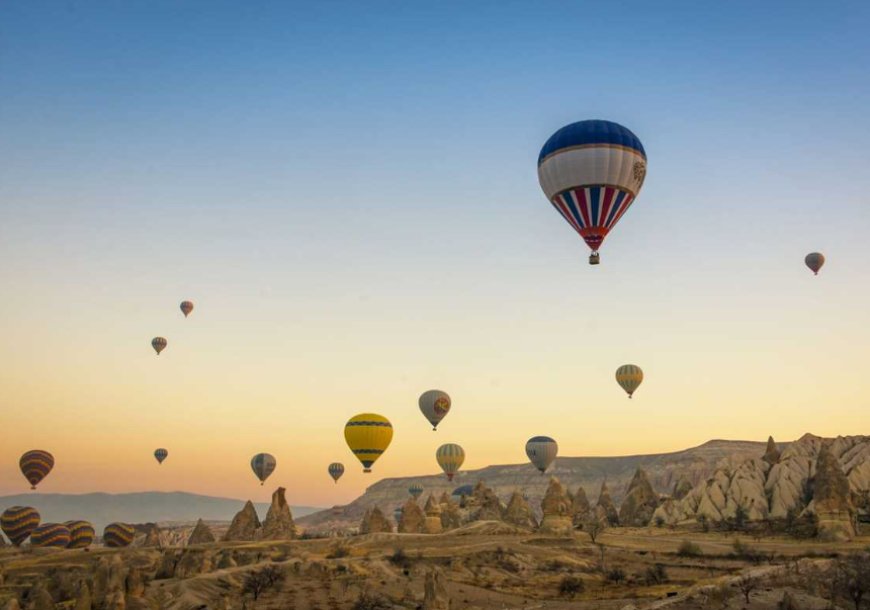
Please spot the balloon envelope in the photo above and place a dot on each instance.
(160, 455)
(186, 308)
(629, 377)
(118, 535)
(263, 465)
(81, 534)
(50, 535)
(368, 435)
(17, 522)
(450, 457)
(35, 466)
(815, 260)
(435, 405)
(542, 451)
(159, 344)
(591, 172)
(416, 490)
(336, 469)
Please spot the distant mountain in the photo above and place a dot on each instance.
(141, 507)
(664, 470)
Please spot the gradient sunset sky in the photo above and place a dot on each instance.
(348, 192)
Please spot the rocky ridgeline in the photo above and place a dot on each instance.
(278, 525)
(827, 478)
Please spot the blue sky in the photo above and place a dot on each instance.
(349, 191)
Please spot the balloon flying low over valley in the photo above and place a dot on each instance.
(320, 212)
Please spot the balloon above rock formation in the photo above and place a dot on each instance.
(416, 490)
(186, 308)
(629, 377)
(263, 465)
(368, 435)
(160, 455)
(50, 535)
(159, 344)
(435, 405)
(17, 522)
(336, 469)
(81, 534)
(118, 535)
(35, 466)
(815, 260)
(542, 451)
(450, 457)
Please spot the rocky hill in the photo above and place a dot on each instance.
(664, 471)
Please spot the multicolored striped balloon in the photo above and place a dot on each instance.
(17, 522)
(81, 534)
(591, 172)
(450, 457)
(50, 535)
(542, 450)
(186, 308)
(159, 344)
(263, 465)
(160, 455)
(629, 377)
(35, 466)
(336, 469)
(368, 435)
(118, 535)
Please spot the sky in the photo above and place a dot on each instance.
(348, 193)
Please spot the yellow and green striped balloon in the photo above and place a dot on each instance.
(368, 435)
(629, 377)
(450, 457)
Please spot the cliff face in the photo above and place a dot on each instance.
(663, 471)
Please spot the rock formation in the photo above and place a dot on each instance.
(12, 604)
(771, 455)
(519, 513)
(682, 488)
(451, 518)
(201, 534)
(831, 502)
(489, 507)
(558, 509)
(374, 521)
(245, 525)
(605, 510)
(433, 516)
(582, 508)
(412, 521)
(279, 522)
(435, 595)
(152, 537)
(640, 502)
(83, 598)
(39, 598)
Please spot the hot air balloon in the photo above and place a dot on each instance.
(35, 466)
(17, 522)
(434, 404)
(118, 535)
(815, 260)
(542, 451)
(591, 172)
(186, 308)
(263, 465)
(160, 455)
(50, 535)
(81, 534)
(397, 513)
(368, 435)
(336, 469)
(629, 376)
(159, 344)
(450, 457)
(416, 490)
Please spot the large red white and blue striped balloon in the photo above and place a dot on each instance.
(592, 171)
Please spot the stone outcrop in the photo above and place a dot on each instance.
(582, 508)
(374, 521)
(433, 516)
(451, 518)
(558, 509)
(435, 595)
(12, 604)
(83, 598)
(279, 521)
(771, 455)
(682, 488)
(640, 502)
(489, 507)
(244, 526)
(832, 502)
(152, 537)
(201, 534)
(605, 509)
(519, 513)
(40, 599)
(412, 521)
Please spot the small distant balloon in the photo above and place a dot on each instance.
(160, 455)
(629, 377)
(435, 405)
(159, 344)
(815, 261)
(263, 465)
(17, 522)
(542, 451)
(186, 308)
(336, 469)
(450, 457)
(368, 435)
(35, 466)
(416, 490)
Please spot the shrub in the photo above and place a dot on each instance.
(703, 522)
(660, 521)
(399, 558)
(570, 586)
(339, 550)
(259, 581)
(689, 549)
(615, 575)
(655, 575)
(371, 601)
